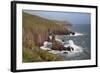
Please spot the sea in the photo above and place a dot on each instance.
(82, 39)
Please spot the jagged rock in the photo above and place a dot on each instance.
(58, 46)
(69, 48)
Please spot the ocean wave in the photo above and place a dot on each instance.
(77, 34)
(47, 46)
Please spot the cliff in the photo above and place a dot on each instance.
(35, 31)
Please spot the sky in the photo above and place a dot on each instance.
(72, 17)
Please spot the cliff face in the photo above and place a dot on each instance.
(37, 29)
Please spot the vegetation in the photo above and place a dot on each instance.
(38, 55)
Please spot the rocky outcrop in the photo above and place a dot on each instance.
(56, 45)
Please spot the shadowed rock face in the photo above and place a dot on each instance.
(37, 30)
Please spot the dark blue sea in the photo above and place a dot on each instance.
(82, 40)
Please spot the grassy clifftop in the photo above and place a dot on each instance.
(36, 30)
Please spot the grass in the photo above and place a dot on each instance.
(38, 55)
